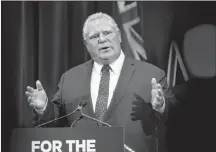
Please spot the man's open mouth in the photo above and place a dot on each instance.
(104, 48)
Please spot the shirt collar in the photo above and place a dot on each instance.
(116, 66)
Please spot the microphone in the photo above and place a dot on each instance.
(104, 123)
(79, 108)
(99, 121)
(80, 117)
(82, 105)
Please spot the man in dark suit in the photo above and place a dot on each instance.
(193, 126)
(109, 83)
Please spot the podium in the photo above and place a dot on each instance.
(67, 140)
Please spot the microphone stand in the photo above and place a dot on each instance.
(97, 120)
(77, 109)
(104, 123)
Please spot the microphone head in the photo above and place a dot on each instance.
(83, 103)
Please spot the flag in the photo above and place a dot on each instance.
(131, 29)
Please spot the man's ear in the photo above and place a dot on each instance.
(119, 35)
(86, 46)
(84, 41)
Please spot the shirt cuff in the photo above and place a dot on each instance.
(161, 109)
(41, 111)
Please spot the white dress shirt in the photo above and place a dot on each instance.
(114, 76)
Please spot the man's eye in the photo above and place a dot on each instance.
(93, 37)
(107, 32)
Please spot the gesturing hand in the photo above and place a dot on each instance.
(143, 111)
(157, 99)
(37, 98)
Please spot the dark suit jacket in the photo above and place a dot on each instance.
(74, 86)
(194, 123)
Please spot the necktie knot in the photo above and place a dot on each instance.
(105, 68)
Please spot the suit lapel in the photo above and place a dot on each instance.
(86, 89)
(123, 81)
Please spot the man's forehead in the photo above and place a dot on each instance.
(100, 21)
(100, 29)
(100, 25)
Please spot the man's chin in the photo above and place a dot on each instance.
(105, 57)
(105, 60)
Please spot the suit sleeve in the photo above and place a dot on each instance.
(151, 118)
(170, 102)
(55, 108)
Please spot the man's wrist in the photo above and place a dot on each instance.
(41, 110)
(161, 108)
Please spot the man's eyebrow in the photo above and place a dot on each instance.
(92, 34)
(97, 33)
(107, 30)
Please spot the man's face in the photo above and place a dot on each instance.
(103, 42)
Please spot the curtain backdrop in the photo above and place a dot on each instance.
(41, 40)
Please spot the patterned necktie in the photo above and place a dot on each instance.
(103, 93)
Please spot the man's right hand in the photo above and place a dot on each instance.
(37, 98)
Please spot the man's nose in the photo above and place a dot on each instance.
(102, 39)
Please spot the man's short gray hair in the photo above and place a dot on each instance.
(95, 16)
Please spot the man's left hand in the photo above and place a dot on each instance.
(157, 99)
